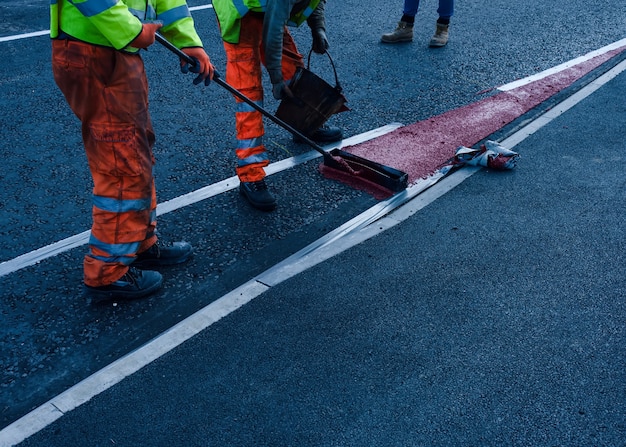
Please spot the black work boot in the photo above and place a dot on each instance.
(325, 134)
(257, 194)
(161, 254)
(134, 284)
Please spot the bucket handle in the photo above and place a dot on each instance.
(308, 64)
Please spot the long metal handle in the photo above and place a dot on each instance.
(218, 80)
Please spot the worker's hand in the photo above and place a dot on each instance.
(320, 41)
(146, 36)
(203, 65)
(281, 91)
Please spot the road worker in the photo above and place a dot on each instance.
(255, 32)
(97, 66)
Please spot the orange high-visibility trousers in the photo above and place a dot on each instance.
(108, 92)
(243, 72)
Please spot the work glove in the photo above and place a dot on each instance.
(320, 41)
(203, 65)
(281, 91)
(146, 36)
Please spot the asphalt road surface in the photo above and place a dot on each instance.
(493, 315)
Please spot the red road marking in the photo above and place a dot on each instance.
(419, 149)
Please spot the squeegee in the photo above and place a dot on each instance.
(359, 167)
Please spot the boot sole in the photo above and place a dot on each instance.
(258, 205)
(98, 297)
(396, 41)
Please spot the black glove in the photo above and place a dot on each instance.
(281, 91)
(320, 41)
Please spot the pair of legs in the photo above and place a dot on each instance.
(445, 10)
(404, 30)
(108, 91)
(244, 62)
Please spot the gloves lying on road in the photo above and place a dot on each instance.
(490, 154)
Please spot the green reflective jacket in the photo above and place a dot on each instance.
(230, 12)
(116, 23)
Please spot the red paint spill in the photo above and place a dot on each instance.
(419, 149)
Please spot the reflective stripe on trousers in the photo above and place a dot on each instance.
(243, 72)
(108, 92)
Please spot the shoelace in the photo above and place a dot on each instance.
(259, 186)
(131, 276)
(157, 248)
(154, 250)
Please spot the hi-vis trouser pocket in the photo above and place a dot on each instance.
(115, 150)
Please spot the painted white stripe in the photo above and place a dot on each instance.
(559, 68)
(47, 32)
(112, 374)
(351, 233)
(25, 36)
(77, 240)
(563, 106)
(198, 8)
(357, 230)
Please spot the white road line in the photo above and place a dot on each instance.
(559, 68)
(563, 106)
(357, 230)
(209, 191)
(47, 31)
(361, 227)
(24, 36)
(198, 8)
(40, 254)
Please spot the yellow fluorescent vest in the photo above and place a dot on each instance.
(116, 23)
(230, 12)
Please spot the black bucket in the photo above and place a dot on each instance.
(315, 100)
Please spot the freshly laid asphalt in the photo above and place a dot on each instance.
(496, 315)
(493, 316)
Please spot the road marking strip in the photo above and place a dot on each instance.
(47, 31)
(25, 36)
(38, 255)
(563, 66)
(564, 106)
(56, 248)
(379, 218)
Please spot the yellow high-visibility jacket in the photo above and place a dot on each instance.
(230, 12)
(116, 23)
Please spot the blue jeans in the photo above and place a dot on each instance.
(445, 10)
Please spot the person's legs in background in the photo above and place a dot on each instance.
(404, 30)
(445, 11)
(243, 72)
